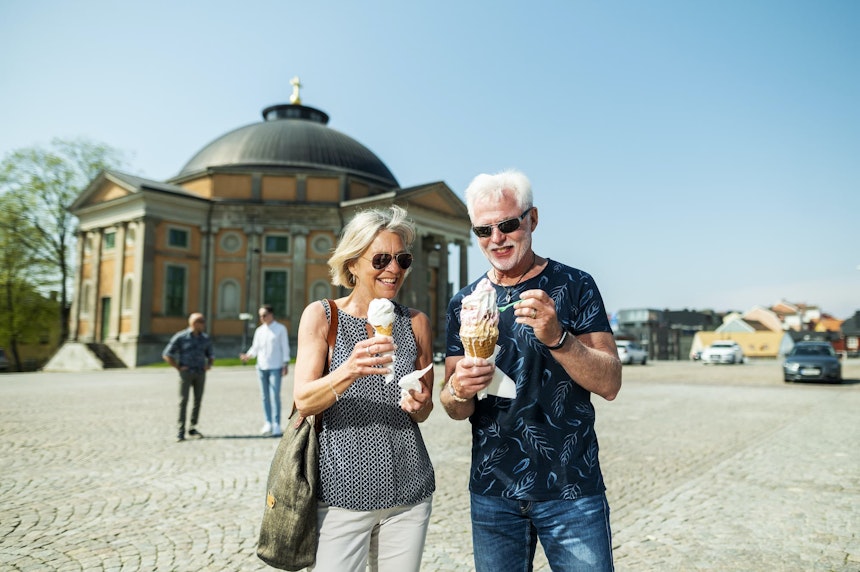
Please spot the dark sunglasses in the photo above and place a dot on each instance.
(383, 259)
(505, 227)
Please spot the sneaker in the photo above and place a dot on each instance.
(277, 431)
(180, 436)
(266, 429)
(195, 434)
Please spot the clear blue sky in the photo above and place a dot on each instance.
(688, 154)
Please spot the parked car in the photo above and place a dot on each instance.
(813, 361)
(4, 361)
(631, 352)
(723, 351)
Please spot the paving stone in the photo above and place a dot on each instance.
(707, 468)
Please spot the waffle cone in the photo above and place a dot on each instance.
(384, 330)
(481, 347)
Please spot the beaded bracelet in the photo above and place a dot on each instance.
(453, 393)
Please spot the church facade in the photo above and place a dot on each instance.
(251, 219)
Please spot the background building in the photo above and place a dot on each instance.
(250, 219)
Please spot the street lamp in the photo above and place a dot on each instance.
(245, 317)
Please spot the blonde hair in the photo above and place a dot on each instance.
(360, 232)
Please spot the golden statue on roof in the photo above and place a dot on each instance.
(295, 98)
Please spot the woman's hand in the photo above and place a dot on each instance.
(371, 357)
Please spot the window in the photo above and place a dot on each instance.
(110, 240)
(275, 290)
(174, 291)
(277, 244)
(177, 238)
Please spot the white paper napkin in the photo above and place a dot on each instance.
(411, 381)
(501, 385)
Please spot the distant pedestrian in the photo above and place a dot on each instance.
(190, 352)
(271, 347)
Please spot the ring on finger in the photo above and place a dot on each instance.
(534, 313)
(367, 348)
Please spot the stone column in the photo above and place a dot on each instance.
(144, 261)
(75, 314)
(207, 274)
(96, 311)
(119, 271)
(464, 264)
(442, 297)
(298, 276)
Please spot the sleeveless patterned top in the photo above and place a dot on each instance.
(372, 454)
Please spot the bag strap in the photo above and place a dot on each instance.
(331, 339)
(332, 330)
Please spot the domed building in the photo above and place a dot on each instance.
(250, 219)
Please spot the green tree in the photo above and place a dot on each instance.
(37, 186)
(26, 315)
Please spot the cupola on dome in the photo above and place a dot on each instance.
(295, 137)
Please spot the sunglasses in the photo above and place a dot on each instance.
(383, 259)
(505, 227)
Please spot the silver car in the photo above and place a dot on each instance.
(723, 351)
(631, 352)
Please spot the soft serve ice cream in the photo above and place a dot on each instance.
(380, 314)
(479, 321)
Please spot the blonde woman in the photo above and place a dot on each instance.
(376, 479)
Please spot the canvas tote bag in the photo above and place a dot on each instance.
(289, 534)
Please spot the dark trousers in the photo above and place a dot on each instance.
(190, 380)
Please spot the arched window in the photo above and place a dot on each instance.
(228, 298)
(127, 287)
(86, 290)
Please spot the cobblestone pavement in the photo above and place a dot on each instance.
(707, 467)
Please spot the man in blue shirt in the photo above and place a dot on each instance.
(535, 473)
(190, 352)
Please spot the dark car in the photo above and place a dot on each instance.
(4, 361)
(812, 361)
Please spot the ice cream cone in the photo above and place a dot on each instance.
(384, 330)
(480, 347)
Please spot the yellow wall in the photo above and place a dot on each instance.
(279, 189)
(753, 344)
(323, 190)
(232, 186)
(358, 190)
(201, 186)
(108, 192)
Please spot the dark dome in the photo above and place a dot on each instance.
(294, 136)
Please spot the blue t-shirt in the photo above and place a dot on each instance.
(189, 350)
(540, 445)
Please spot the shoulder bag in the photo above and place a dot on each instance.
(288, 534)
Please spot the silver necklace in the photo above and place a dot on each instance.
(509, 289)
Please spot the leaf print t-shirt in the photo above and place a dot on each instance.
(540, 445)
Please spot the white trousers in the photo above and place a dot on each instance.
(389, 540)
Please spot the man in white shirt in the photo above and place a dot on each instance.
(271, 347)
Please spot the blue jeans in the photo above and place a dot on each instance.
(574, 534)
(270, 388)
